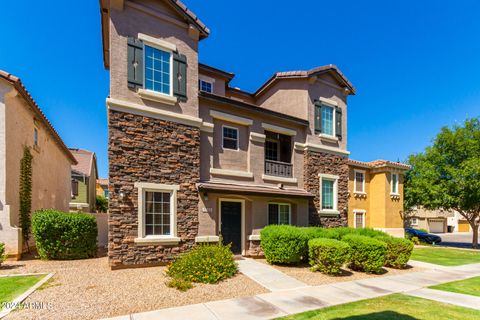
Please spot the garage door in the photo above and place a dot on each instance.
(463, 226)
(436, 226)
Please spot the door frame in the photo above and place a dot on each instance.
(220, 200)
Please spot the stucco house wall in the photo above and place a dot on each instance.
(48, 190)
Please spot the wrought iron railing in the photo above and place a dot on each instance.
(277, 168)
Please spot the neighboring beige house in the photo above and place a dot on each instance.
(84, 181)
(192, 158)
(22, 123)
(434, 221)
(102, 187)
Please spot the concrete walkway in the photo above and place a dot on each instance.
(284, 302)
(267, 276)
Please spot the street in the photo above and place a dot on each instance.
(457, 240)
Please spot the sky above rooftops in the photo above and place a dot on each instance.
(415, 64)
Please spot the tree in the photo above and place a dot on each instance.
(101, 204)
(26, 194)
(447, 175)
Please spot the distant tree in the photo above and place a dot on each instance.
(447, 175)
(101, 204)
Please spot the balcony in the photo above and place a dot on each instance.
(278, 168)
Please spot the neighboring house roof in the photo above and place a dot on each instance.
(18, 85)
(86, 159)
(224, 74)
(177, 5)
(229, 188)
(379, 164)
(102, 182)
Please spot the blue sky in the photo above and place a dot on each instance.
(415, 64)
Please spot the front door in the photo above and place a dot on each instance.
(231, 224)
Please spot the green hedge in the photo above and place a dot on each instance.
(328, 255)
(2, 253)
(367, 254)
(398, 253)
(284, 244)
(64, 236)
(204, 263)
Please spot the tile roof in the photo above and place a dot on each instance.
(191, 16)
(308, 73)
(380, 163)
(18, 85)
(85, 160)
(102, 182)
(229, 188)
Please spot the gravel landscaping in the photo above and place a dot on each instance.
(303, 273)
(88, 289)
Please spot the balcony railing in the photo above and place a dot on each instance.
(277, 168)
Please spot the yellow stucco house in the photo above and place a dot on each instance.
(376, 195)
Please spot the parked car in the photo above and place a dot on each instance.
(423, 236)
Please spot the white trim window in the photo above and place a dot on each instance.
(205, 86)
(229, 138)
(328, 193)
(359, 181)
(158, 70)
(414, 222)
(279, 213)
(157, 211)
(394, 183)
(328, 120)
(359, 218)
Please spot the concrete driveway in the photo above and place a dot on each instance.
(456, 240)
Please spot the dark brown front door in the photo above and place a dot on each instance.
(231, 229)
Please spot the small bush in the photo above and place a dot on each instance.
(398, 252)
(415, 240)
(179, 284)
(205, 264)
(64, 236)
(2, 253)
(328, 255)
(367, 254)
(284, 244)
(101, 204)
(424, 230)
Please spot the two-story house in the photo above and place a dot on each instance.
(192, 159)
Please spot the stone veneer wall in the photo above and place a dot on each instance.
(326, 163)
(143, 149)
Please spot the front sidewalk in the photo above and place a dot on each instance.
(291, 301)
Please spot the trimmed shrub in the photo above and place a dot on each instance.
(398, 253)
(319, 232)
(179, 284)
(64, 236)
(284, 244)
(367, 254)
(2, 253)
(328, 255)
(204, 263)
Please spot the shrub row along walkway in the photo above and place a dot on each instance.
(285, 302)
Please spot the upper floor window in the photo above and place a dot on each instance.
(328, 193)
(279, 213)
(394, 183)
(205, 86)
(230, 138)
(327, 120)
(359, 181)
(35, 136)
(158, 70)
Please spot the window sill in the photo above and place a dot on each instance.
(328, 137)
(207, 239)
(329, 212)
(157, 241)
(157, 97)
(231, 173)
(254, 237)
(278, 179)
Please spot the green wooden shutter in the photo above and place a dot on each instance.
(135, 63)
(338, 123)
(318, 117)
(179, 75)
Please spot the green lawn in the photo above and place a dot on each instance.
(468, 286)
(446, 257)
(392, 307)
(12, 287)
